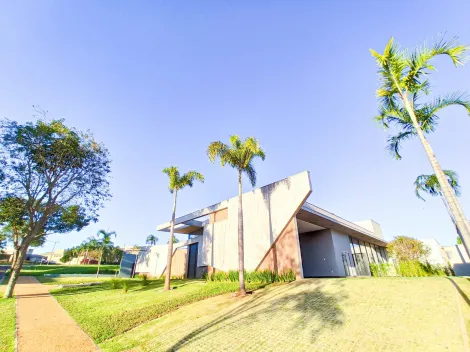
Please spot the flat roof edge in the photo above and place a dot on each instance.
(339, 220)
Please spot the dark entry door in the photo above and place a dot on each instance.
(192, 261)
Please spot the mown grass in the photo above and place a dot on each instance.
(7, 324)
(108, 310)
(356, 314)
(45, 280)
(40, 270)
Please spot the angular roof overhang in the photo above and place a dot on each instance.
(318, 216)
(186, 227)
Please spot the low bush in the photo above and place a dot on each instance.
(144, 279)
(125, 286)
(382, 270)
(115, 283)
(259, 276)
(409, 268)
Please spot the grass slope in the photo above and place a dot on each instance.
(369, 314)
(7, 325)
(104, 312)
(40, 270)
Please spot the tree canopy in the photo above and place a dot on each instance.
(177, 182)
(405, 248)
(404, 77)
(239, 155)
(430, 184)
(54, 178)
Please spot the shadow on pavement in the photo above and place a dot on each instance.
(310, 303)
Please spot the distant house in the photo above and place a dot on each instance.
(282, 231)
(54, 257)
(455, 256)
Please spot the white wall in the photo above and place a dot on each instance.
(459, 259)
(436, 256)
(266, 212)
(372, 226)
(154, 260)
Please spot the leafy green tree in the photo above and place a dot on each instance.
(177, 183)
(405, 248)
(151, 240)
(404, 76)
(104, 241)
(238, 155)
(54, 180)
(459, 241)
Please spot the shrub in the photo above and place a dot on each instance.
(115, 283)
(144, 278)
(257, 276)
(381, 270)
(409, 268)
(125, 286)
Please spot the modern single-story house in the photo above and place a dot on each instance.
(282, 231)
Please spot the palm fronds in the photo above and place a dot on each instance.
(430, 184)
(238, 154)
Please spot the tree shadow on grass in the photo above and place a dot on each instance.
(310, 304)
(462, 294)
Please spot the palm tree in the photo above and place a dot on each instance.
(430, 185)
(238, 155)
(404, 81)
(151, 240)
(104, 239)
(177, 183)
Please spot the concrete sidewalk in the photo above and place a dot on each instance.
(42, 324)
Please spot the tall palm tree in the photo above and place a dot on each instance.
(404, 81)
(151, 240)
(238, 155)
(104, 239)
(177, 182)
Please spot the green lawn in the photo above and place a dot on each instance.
(70, 280)
(40, 270)
(7, 324)
(104, 312)
(356, 314)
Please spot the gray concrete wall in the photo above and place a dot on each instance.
(318, 254)
(341, 244)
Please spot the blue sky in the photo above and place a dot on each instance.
(157, 81)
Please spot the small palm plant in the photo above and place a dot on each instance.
(177, 182)
(238, 155)
(104, 240)
(404, 81)
(430, 185)
(151, 240)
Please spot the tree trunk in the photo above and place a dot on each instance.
(15, 270)
(99, 262)
(241, 251)
(456, 212)
(170, 246)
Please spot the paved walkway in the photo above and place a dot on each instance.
(42, 324)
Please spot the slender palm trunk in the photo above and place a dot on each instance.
(15, 269)
(456, 212)
(99, 262)
(241, 251)
(170, 245)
